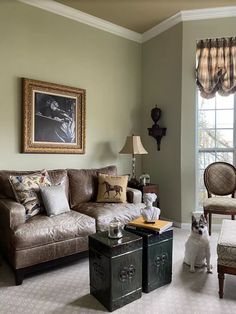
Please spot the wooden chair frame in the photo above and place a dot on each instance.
(222, 270)
(208, 213)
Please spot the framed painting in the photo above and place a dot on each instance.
(53, 118)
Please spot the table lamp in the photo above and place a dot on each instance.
(134, 146)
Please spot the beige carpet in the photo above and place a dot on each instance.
(66, 290)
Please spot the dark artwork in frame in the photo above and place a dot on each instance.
(53, 118)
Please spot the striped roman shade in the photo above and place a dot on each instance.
(216, 66)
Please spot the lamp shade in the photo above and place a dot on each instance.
(133, 145)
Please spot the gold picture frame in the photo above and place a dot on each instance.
(53, 118)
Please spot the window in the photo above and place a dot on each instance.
(216, 140)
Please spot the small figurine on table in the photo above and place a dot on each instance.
(150, 213)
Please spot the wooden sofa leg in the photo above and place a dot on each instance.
(221, 277)
(232, 217)
(19, 277)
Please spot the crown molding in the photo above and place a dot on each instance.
(161, 27)
(205, 14)
(79, 16)
(189, 15)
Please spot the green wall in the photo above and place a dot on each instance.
(192, 31)
(123, 80)
(161, 79)
(44, 46)
(168, 77)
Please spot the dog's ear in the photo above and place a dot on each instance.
(203, 219)
(193, 218)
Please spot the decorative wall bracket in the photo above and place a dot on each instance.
(155, 131)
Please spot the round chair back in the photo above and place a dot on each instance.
(220, 178)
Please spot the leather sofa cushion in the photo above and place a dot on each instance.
(57, 177)
(41, 229)
(83, 184)
(105, 212)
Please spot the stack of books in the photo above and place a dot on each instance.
(158, 227)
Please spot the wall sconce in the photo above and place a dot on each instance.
(155, 131)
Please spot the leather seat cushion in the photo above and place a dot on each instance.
(42, 230)
(105, 212)
(214, 204)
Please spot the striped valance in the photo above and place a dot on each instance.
(216, 66)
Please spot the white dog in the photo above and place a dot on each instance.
(197, 247)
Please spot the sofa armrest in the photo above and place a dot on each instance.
(12, 213)
(134, 196)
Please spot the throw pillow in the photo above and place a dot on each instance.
(54, 200)
(26, 190)
(112, 188)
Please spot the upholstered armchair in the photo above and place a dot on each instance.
(220, 182)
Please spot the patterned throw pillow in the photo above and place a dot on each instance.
(112, 188)
(27, 191)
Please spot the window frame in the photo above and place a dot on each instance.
(214, 150)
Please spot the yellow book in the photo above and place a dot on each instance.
(158, 226)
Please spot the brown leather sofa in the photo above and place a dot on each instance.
(35, 243)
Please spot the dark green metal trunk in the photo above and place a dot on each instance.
(157, 258)
(115, 269)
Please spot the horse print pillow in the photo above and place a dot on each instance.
(112, 188)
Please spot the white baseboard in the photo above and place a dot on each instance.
(177, 224)
(187, 226)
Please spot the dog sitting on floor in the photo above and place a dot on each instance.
(197, 247)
